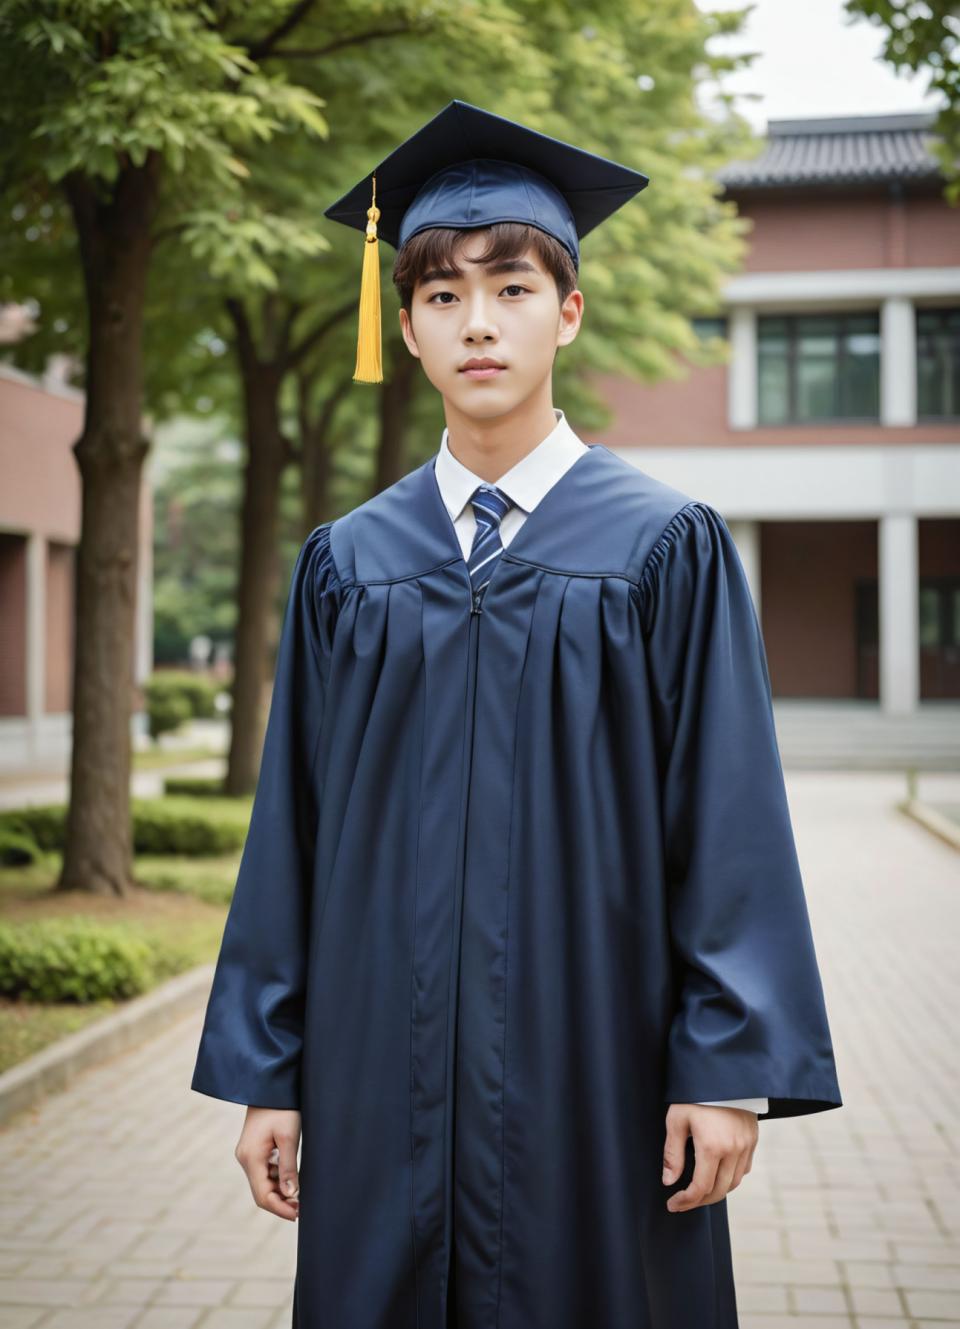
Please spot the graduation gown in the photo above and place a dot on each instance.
(519, 875)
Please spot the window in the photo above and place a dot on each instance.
(818, 367)
(938, 363)
(940, 611)
(706, 327)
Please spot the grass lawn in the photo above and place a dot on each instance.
(152, 759)
(178, 906)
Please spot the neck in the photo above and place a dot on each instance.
(489, 447)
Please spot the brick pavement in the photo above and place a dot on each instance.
(123, 1207)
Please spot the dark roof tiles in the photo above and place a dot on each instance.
(839, 150)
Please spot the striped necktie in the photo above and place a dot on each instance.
(490, 505)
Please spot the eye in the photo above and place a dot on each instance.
(433, 297)
(514, 286)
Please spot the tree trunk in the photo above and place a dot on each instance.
(396, 396)
(257, 585)
(114, 236)
(316, 454)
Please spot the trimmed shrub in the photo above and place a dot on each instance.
(173, 696)
(60, 959)
(194, 786)
(169, 827)
(17, 848)
(160, 825)
(44, 825)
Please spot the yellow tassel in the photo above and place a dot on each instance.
(369, 368)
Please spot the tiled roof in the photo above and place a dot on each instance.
(855, 149)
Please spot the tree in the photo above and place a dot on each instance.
(924, 35)
(135, 112)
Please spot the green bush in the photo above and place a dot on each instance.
(178, 826)
(44, 825)
(166, 712)
(194, 786)
(160, 825)
(17, 848)
(173, 696)
(76, 960)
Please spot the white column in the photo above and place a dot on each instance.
(36, 643)
(746, 536)
(898, 362)
(898, 607)
(742, 381)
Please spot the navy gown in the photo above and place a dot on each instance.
(515, 881)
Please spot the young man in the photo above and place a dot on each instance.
(519, 940)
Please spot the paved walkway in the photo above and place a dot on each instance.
(123, 1207)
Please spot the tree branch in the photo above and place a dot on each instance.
(299, 353)
(353, 39)
(257, 50)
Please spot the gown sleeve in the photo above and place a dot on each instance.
(252, 1034)
(749, 1016)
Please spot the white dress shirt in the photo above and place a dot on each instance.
(525, 484)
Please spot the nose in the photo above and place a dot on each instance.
(478, 323)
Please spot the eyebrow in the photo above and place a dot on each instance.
(493, 269)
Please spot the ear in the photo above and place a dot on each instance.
(571, 316)
(406, 327)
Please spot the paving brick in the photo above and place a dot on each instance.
(141, 1218)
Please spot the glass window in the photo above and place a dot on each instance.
(929, 616)
(818, 367)
(938, 363)
(710, 327)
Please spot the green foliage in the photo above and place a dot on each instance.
(174, 696)
(160, 825)
(199, 690)
(194, 786)
(73, 960)
(167, 710)
(44, 824)
(181, 826)
(924, 36)
(211, 880)
(17, 848)
(126, 78)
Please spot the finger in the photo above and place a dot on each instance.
(674, 1147)
(706, 1162)
(289, 1181)
(274, 1203)
(740, 1171)
(724, 1176)
(267, 1196)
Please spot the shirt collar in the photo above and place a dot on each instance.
(525, 483)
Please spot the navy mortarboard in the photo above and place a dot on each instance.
(468, 167)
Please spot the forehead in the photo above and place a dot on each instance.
(471, 247)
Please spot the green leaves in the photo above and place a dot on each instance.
(110, 83)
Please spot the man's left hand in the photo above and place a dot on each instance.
(724, 1139)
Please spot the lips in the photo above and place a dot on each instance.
(484, 368)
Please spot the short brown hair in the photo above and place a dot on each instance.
(437, 246)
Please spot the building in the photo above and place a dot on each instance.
(830, 442)
(40, 498)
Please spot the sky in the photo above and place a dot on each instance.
(814, 62)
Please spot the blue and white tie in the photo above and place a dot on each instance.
(490, 505)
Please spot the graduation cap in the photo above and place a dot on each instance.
(466, 168)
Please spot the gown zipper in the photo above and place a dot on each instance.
(454, 1041)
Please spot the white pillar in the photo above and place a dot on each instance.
(36, 643)
(898, 362)
(899, 619)
(742, 380)
(746, 536)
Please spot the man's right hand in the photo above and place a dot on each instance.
(267, 1152)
